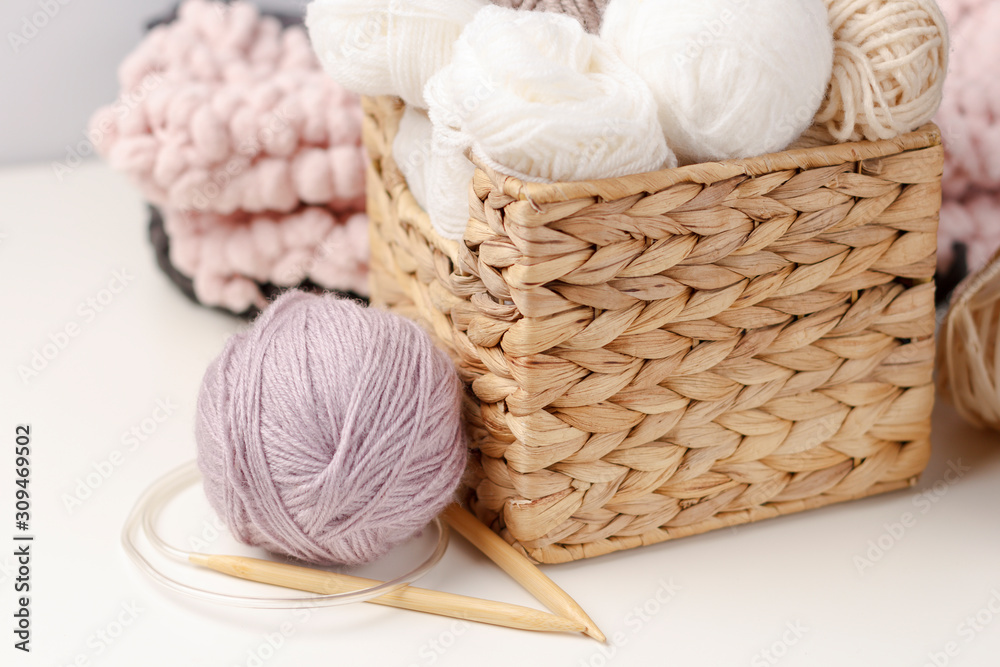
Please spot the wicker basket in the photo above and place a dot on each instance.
(663, 354)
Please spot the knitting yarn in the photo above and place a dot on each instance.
(437, 172)
(536, 97)
(968, 353)
(411, 149)
(587, 12)
(449, 179)
(890, 61)
(969, 116)
(223, 110)
(229, 257)
(233, 131)
(267, 291)
(731, 78)
(387, 47)
(329, 432)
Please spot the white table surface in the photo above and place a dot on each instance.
(811, 589)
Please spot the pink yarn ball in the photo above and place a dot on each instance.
(329, 432)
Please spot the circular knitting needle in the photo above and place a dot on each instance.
(407, 597)
(330, 587)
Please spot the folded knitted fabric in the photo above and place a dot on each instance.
(229, 258)
(224, 110)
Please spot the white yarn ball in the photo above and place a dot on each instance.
(732, 78)
(437, 172)
(387, 47)
(537, 97)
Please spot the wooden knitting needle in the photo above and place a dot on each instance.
(407, 597)
(520, 568)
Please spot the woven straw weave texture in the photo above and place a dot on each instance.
(664, 354)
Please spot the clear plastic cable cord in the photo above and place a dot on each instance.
(143, 518)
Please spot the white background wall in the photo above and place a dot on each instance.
(52, 82)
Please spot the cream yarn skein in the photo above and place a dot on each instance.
(387, 47)
(536, 97)
(968, 364)
(732, 78)
(889, 68)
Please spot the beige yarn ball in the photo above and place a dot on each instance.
(889, 66)
(969, 348)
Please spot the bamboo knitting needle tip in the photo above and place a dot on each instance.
(408, 597)
(520, 568)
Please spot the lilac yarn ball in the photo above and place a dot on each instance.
(329, 432)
